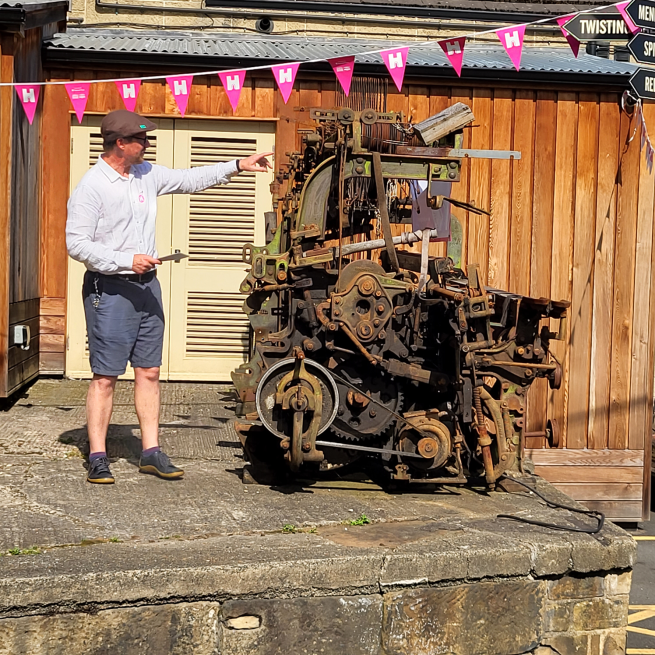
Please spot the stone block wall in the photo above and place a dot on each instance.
(569, 615)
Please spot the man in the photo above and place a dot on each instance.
(111, 229)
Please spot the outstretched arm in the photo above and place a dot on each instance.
(191, 180)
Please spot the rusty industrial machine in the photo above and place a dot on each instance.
(366, 351)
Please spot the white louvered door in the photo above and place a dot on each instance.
(208, 329)
(86, 147)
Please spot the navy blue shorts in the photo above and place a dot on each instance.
(124, 322)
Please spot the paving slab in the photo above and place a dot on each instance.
(208, 540)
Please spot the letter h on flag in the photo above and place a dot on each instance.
(232, 82)
(28, 94)
(180, 86)
(512, 40)
(285, 76)
(396, 62)
(454, 50)
(129, 91)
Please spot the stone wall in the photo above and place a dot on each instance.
(569, 615)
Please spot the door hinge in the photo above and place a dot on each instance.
(71, 145)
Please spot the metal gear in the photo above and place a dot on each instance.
(359, 419)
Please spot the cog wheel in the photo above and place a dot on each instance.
(359, 419)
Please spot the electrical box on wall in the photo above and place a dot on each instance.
(20, 336)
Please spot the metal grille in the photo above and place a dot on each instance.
(221, 219)
(216, 325)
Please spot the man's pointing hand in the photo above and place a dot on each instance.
(256, 163)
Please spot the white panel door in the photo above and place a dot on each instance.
(208, 329)
(86, 147)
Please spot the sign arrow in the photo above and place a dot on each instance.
(643, 82)
(642, 48)
(599, 26)
(642, 13)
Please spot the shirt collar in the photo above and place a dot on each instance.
(110, 172)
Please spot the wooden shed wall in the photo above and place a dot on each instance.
(573, 220)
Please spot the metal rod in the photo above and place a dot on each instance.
(405, 237)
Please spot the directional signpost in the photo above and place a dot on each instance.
(642, 48)
(642, 13)
(600, 26)
(643, 82)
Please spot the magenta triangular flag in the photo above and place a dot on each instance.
(28, 95)
(512, 40)
(454, 50)
(180, 86)
(78, 92)
(396, 62)
(628, 21)
(232, 82)
(129, 91)
(285, 76)
(571, 40)
(343, 68)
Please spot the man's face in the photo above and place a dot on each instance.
(134, 148)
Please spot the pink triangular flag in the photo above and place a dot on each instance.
(571, 40)
(454, 50)
(343, 68)
(285, 76)
(628, 21)
(180, 86)
(28, 94)
(78, 92)
(396, 62)
(232, 82)
(129, 91)
(512, 40)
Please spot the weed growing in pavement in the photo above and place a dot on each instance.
(362, 519)
(34, 550)
(289, 528)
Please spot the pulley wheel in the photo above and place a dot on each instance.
(346, 116)
(369, 116)
(279, 421)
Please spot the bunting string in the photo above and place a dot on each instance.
(395, 60)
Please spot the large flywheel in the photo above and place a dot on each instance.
(297, 400)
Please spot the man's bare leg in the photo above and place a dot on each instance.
(146, 401)
(99, 403)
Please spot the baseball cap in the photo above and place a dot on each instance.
(122, 123)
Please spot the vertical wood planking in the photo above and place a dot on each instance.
(480, 185)
(583, 257)
(522, 172)
(542, 234)
(624, 284)
(7, 45)
(501, 185)
(152, 97)
(601, 327)
(563, 212)
(264, 94)
(199, 96)
(641, 401)
(55, 166)
(461, 189)
(649, 115)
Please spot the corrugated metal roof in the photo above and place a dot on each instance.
(259, 49)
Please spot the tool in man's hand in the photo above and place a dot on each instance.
(175, 257)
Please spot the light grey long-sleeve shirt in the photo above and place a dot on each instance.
(111, 218)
